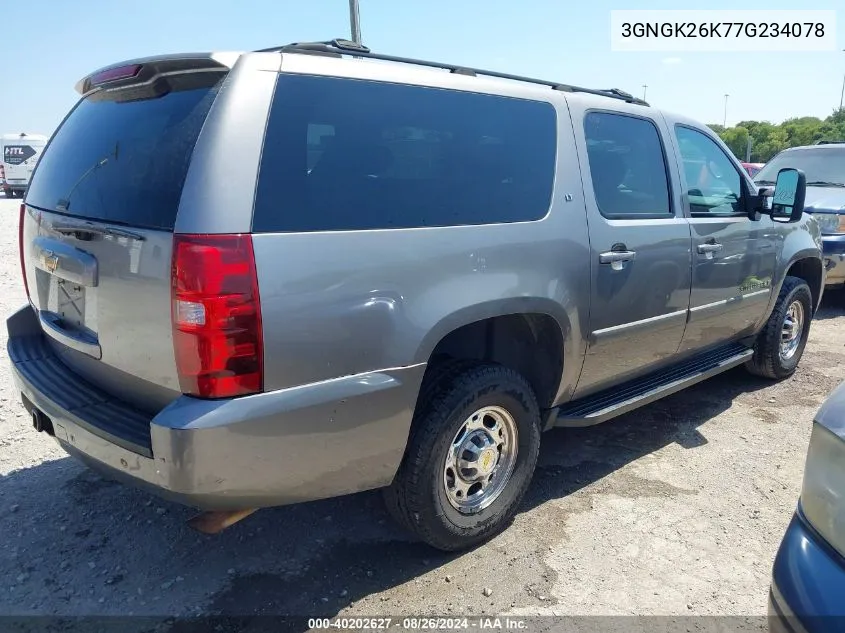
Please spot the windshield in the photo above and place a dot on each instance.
(819, 165)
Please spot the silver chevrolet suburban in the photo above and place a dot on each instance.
(261, 278)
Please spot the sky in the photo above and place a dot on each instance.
(50, 44)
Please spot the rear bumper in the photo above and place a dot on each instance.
(808, 584)
(309, 442)
(834, 259)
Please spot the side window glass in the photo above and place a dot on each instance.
(319, 137)
(714, 186)
(627, 166)
(354, 155)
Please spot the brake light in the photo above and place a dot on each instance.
(20, 247)
(216, 314)
(114, 74)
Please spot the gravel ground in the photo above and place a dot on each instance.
(674, 509)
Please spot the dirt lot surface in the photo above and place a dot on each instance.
(674, 509)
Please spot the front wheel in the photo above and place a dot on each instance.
(472, 451)
(780, 345)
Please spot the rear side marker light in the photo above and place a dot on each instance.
(216, 313)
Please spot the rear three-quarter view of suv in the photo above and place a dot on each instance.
(262, 278)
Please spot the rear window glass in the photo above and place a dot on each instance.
(122, 162)
(344, 154)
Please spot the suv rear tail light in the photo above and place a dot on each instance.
(20, 247)
(216, 314)
(2, 174)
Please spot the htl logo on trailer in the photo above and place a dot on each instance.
(17, 154)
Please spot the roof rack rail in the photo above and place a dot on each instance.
(828, 142)
(340, 47)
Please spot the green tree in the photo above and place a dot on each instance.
(768, 139)
(736, 138)
(775, 141)
(838, 117)
(802, 131)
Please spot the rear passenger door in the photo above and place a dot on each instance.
(733, 256)
(640, 248)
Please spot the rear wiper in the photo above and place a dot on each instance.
(67, 229)
(825, 183)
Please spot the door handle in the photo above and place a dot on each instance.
(617, 259)
(709, 248)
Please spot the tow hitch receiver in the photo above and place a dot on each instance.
(214, 522)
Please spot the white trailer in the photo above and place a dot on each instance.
(20, 153)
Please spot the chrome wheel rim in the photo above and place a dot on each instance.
(793, 328)
(480, 459)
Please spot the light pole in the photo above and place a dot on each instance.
(355, 21)
(842, 94)
(645, 87)
(725, 119)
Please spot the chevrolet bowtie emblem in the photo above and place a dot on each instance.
(50, 261)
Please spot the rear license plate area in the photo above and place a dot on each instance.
(67, 299)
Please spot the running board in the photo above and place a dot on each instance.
(615, 401)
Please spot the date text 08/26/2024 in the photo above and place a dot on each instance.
(419, 623)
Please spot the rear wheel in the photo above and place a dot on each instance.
(472, 452)
(780, 345)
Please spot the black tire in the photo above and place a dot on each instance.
(417, 497)
(767, 360)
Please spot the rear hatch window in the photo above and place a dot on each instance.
(101, 280)
(122, 162)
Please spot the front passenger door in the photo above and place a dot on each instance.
(733, 256)
(640, 249)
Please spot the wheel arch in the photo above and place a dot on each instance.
(807, 265)
(528, 335)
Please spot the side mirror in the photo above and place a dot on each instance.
(788, 198)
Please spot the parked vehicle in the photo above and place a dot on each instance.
(281, 275)
(20, 154)
(808, 577)
(824, 166)
(752, 168)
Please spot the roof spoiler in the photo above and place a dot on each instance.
(138, 73)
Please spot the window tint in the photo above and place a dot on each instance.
(343, 154)
(122, 162)
(713, 183)
(318, 138)
(627, 166)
